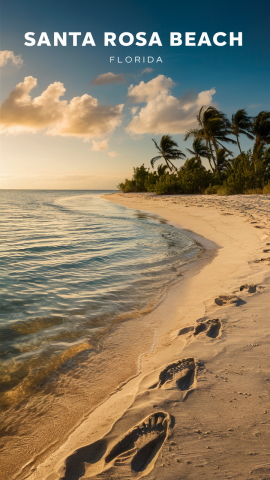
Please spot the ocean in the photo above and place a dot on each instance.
(73, 266)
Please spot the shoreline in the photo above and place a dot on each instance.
(228, 262)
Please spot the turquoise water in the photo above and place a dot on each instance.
(72, 265)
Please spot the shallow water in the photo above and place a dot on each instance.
(74, 264)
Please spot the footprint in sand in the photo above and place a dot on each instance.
(185, 330)
(179, 374)
(249, 288)
(210, 327)
(262, 260)
(75, 463)
(140, 447)
(228, 300)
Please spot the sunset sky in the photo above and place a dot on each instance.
(70, 119)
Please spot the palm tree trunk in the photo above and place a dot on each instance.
(208, 146)
(168, 162)
(223, 146)
(238, 143)
(216, 163)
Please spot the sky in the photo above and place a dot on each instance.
(71, 119)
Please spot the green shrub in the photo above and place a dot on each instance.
(127, 186)
(168, 185)
(253, 191)
(212, 190)
(225, 190)
(266, 189)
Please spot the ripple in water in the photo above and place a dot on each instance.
(74, 264)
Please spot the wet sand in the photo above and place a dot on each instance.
(196, 404)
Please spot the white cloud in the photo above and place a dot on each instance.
(6, 55)
(146, 70)
(164, 113)
(100, 146)
(108, 78)
(148, 91)
(82, 117)
(113, 154)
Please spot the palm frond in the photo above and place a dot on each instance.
(153, 160)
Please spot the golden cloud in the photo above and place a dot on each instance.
(82, 117)
(163, 112)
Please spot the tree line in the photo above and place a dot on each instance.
(248, 172)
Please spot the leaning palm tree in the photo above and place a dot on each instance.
(199, 149)
(241, 124)
(167, 151)
(214, 128)
(261, 129)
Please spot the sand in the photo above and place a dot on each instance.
(198, 405)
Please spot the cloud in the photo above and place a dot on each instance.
(134, 110)
(146, 70)
(108, 78)
(81, 117)
(113, 154)
(148, 91)
(6, 55)
(164, 113)
(100, 146)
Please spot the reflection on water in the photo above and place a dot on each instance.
(73, 265)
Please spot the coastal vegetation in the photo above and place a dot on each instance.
(225, 173)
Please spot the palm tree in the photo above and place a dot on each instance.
(222, 158)
(199, 149)
(192, 163)
(214, 128)
(261, 129)
(161, 169)
(167, 151)
(241, 124)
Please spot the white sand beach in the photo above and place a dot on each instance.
(197, 405)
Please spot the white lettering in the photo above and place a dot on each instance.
(175, 39)
(129, 42)
(142, 41)
(43, 39)
(88, 39)
(74, 36)
(238, 39)
(204, 39)
(215, 39)
(31, 41)
(57, 38)
(109, 38)
(190, 39)
(155, 39)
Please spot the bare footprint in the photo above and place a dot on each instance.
(210, 327)
(179, 374)
(75, 463)
(140, 446)
(228, 300)
(185, 330)
(214, 326)
(249, 288)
